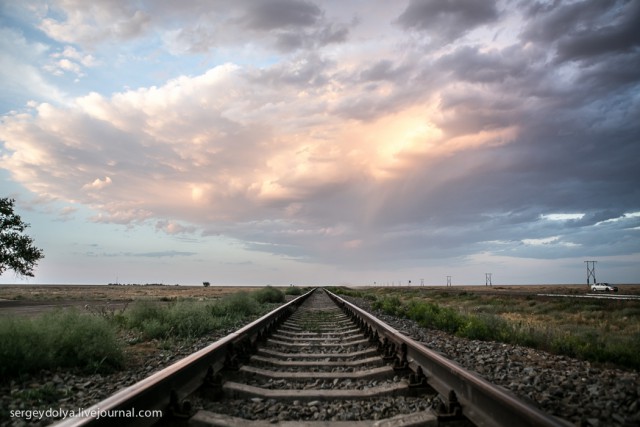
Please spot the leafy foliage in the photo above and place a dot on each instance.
(17, 251)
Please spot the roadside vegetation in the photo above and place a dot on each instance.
(58, 339)
(603, 331)
(88, 340)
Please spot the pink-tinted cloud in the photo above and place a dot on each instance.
(352, 137)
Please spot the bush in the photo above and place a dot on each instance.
(487, 327)
(58, 339)
(239, 304)
(189, 319)
(292, 290)
(269, 295)
(184, 319)
(144, 311)
(390, 305)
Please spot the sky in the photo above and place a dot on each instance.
(329, 142)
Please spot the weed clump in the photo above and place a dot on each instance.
(269, 294)
(236, 305)
(193, 319)
(292, 290)
(60, 339)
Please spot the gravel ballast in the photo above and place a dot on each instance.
(575, 390)
(578, 391)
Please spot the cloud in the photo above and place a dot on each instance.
(20, 77)
(70, 60)
(445, 21)
(162, 254)
(348, 153)
(194, 26)
(91, 24)
(98, 184)
(171, 227)
(582, 30)
(156, 254)
(281, 14)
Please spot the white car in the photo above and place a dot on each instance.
(604, 287)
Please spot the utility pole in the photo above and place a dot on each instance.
(448, 280)
(591, 271)
(487, 279)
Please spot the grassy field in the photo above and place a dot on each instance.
(599, 330)
(113, 293)
(98, 338)
(115, 322)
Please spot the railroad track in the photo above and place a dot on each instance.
(317, 360)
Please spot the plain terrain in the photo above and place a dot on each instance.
(597, 329)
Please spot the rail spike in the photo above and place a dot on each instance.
(231, 358)
(401, 363)
(418, 379)
(450, 411)
(390, 353)
(375, 338)
(212, 384)
(382, 345)
(178, 409)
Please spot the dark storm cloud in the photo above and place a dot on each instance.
(278, 14)
(585, 29)
(293, 24)
(470, 64)
(289, 40)
(447, 20)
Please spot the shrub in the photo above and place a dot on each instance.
(184, 319)
(431, 315)
(189, 319)
(239, 304)
(488, 327)
(292, 290)
(269, 294)
(144, 311)
(58, 339)
(390, 305)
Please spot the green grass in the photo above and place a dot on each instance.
(347, 292)
(182, 319)
(598, 331)
(88, 341)
(192, 319)
(293, 290)
(58, 339)
(269, 294)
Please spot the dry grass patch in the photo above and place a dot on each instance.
(604, 330)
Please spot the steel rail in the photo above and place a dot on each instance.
(179, 379)
(483, 403)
